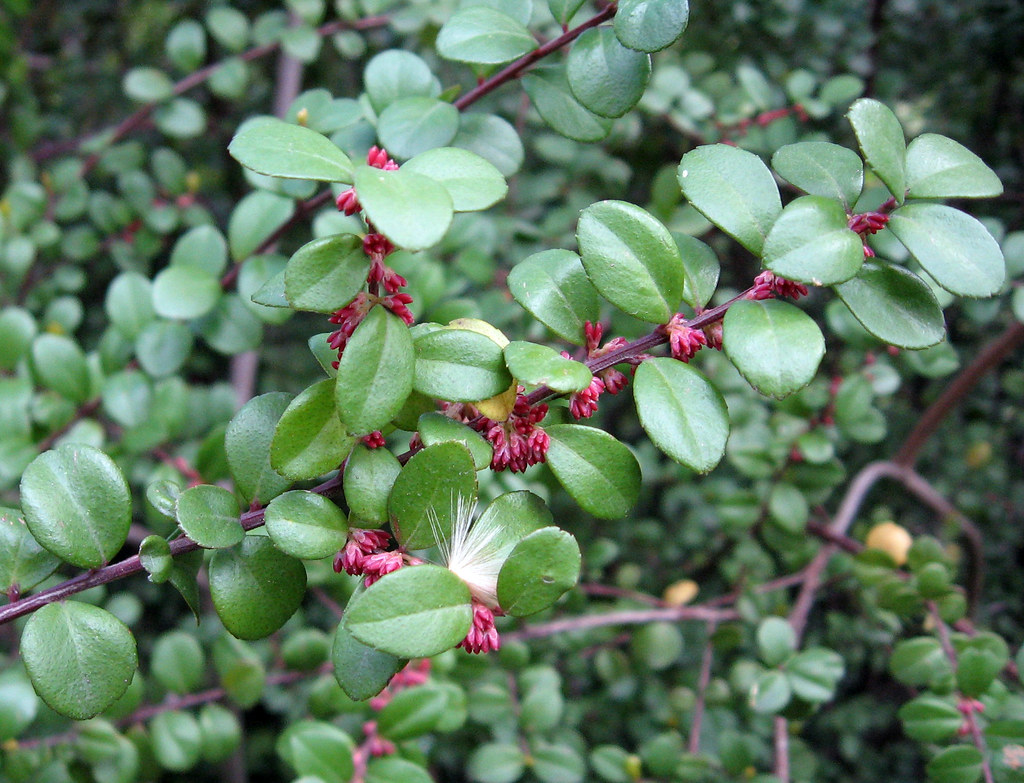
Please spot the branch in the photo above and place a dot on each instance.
(132, 565)
(632, 617)
(702, 692)
(987, 358)
(515, 70)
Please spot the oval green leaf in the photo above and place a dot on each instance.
(77, 504)
(734, 190)
(954, 248)
(605, 76)
(536, 365)
(895, 305)
(415, 612)
(682, 412)
(411, 210)
(820, 168)
(541, 568)
(632, 259)
(410, 126)
(255, 587)
(882, 141)
(361, 671)
(247, 443)
(483, 35)
(375, 373)
(553, 286)
(209, 516)
(430, 485)
(557, 106)
(306, 525)
(280, 149)
(600, 472)
(309, 439)
(776, 346)
(651, 25)
(80, 658)
(938, 167)
(459, 365)
(23, 562)
(435, 427)
(325, 274)
(810, 242)
(472, 181)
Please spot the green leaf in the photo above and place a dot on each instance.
(414, 612)
(361, 671)
(231, 328)
(202, 248)
(23, 562)
(557, 106)
(247, 443)
(395, 74)
(163, 347)
(536, 365)
(734, 190)
(976, 670)
(319, 750)
(918, 661)
(682, 413)
(186, 45)
(59, 364)
(369, 476)
(435, 427)
(77, 504)
(375, 373)
(430, 484)
(306, 525)
(958, 764)
(881, 140)
(771, 692)
(815, 673)
(953, 247)
(459, 365)
(822, 169)
(472, 181)
(209, 516)
(938, 167)
(930, 719)
(185, 292)
(392, 769)
(776, 640)
(155, 556)
(19, 704)
(810, 242)
(895, 305)
(701, 270)
(410, 126)
(554, 288)
(493, 139)
(183, 578)
(540, 569)
(483, 35)
(412, 713)
(221, 732)
(496, 762)
(776, 347)
(651, 25)
(631, 259)
(309, 439)
(128, 304)
(255, 587)
(605, 76)
(79, 657)
(411, 210)
(325, 274)
(600, 472)
(148, 85)
(178, 662)
(254, 219)
(280, 149)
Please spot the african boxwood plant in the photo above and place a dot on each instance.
(535, 350)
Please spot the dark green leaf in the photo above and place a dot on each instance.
(435, 427)
(483, 35)
(632, 259)
(541, 568)
(882, 142)
(894, 305)
(556, 105)
(209, 516)
(701, 270)
(319, 750)
(325, 274)
(280, 149)
(412, 713)
(306, 525)
(309, 439)
(734, 190)
(938, 167)
(247, 442)
(958, 764)
(777, 347)
(80, 658)
(811, 243)
(255, 587)
(410, 126)
(414, 612)
(410, 209)
(600, 473)
(605, 76)
(459, 365)
(822, 169)
(554, 288)
(430, 485)
(77, 504)
(23, 562)
(930, 719)
(682, 413)
(362, 671)
(651, 25)
(472, 181)
(536, 365)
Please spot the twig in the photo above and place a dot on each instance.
(702, 691)
(781, 744)
(637, 617)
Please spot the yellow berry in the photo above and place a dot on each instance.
(892, 539)
(681, 592)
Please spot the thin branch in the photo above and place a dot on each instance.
(635, 617)
(702, 691)
(987, 358)
(516, 69)
(780, 734)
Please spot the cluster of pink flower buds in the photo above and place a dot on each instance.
(583, 404)
(374, 440)
(364, 555)
(352, 314)
(518, 441)
(968, 707)
(768, 285)
(683, 341)
(482, 636)
(865, 224)
(377, 157)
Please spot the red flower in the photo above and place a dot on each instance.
(683, 340)
(482, 636)
(518, 442)
(768, 285)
